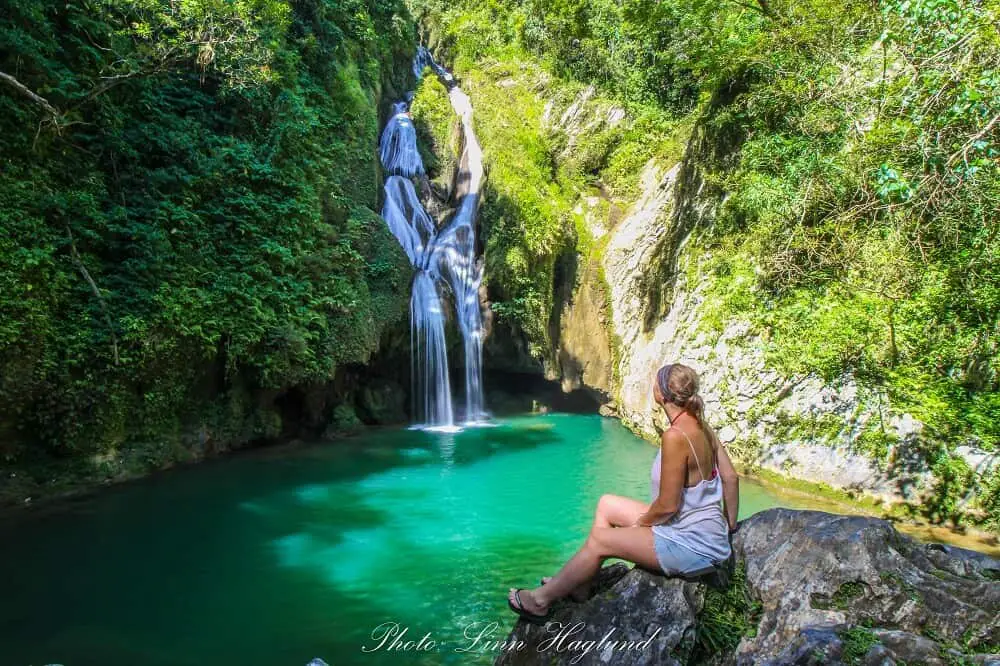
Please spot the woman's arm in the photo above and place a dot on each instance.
(673, 474)
(730, 486)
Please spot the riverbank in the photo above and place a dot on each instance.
(826, 498)
(54, 484)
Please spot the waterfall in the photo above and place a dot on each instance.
(398, 149)
(443, 258)
(430, 357)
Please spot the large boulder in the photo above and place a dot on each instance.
(830, 589)
(633, 617)
(830, 583)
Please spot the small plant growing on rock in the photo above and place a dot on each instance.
(857, 641)
(728, 614)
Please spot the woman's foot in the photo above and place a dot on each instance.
(527, 602)
(579, 594)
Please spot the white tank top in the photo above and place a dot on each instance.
(699, 524)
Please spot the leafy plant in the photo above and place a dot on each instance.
(727, 615)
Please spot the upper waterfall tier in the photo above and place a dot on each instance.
(398, 146)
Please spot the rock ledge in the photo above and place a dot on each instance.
(832, 589)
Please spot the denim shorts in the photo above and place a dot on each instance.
(676, 559)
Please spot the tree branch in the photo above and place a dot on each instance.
(33, 96)
(961, 152)
(97, 292)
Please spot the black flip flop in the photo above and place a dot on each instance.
(526, 614)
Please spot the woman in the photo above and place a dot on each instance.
(684, 529)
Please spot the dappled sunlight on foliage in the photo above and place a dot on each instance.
(857, 146)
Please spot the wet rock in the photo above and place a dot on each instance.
(382, 403)
(584, 354)
(343, 421)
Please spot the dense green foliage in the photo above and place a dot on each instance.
(187, 199)
(857, 641)
(856, 145)
(525, 213)
(535, 177)
(437, 129)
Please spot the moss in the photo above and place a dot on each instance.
(344, 421)
(896, 581)
(906, 517)
(437, 128)
(614, 340)
(848, 592)
(829, 496)
(841, 598)
(526, 214)
(958, 652)
(875, 443)
(824, 428)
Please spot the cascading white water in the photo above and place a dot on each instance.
(407, 219)
(441, 257)
(398, 146)
(430, 353)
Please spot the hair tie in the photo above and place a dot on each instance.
(663, 379)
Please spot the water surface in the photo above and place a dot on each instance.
(283, 555)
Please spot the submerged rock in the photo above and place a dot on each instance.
(832, 589)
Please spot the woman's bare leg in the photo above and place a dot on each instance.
(611, 511)
(634, 544)
(617, 511)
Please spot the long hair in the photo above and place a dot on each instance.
(679, 385)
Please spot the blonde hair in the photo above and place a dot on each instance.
(679, 385)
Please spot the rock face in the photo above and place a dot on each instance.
(584, 357)
(832, 589)
(382, 402)
(584, 346)
(741, 393)
(801, 426)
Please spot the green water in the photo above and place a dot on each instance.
(277, 557)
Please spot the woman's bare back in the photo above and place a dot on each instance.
(704, 455)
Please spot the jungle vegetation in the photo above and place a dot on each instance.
(853, 150)
(188, 198)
